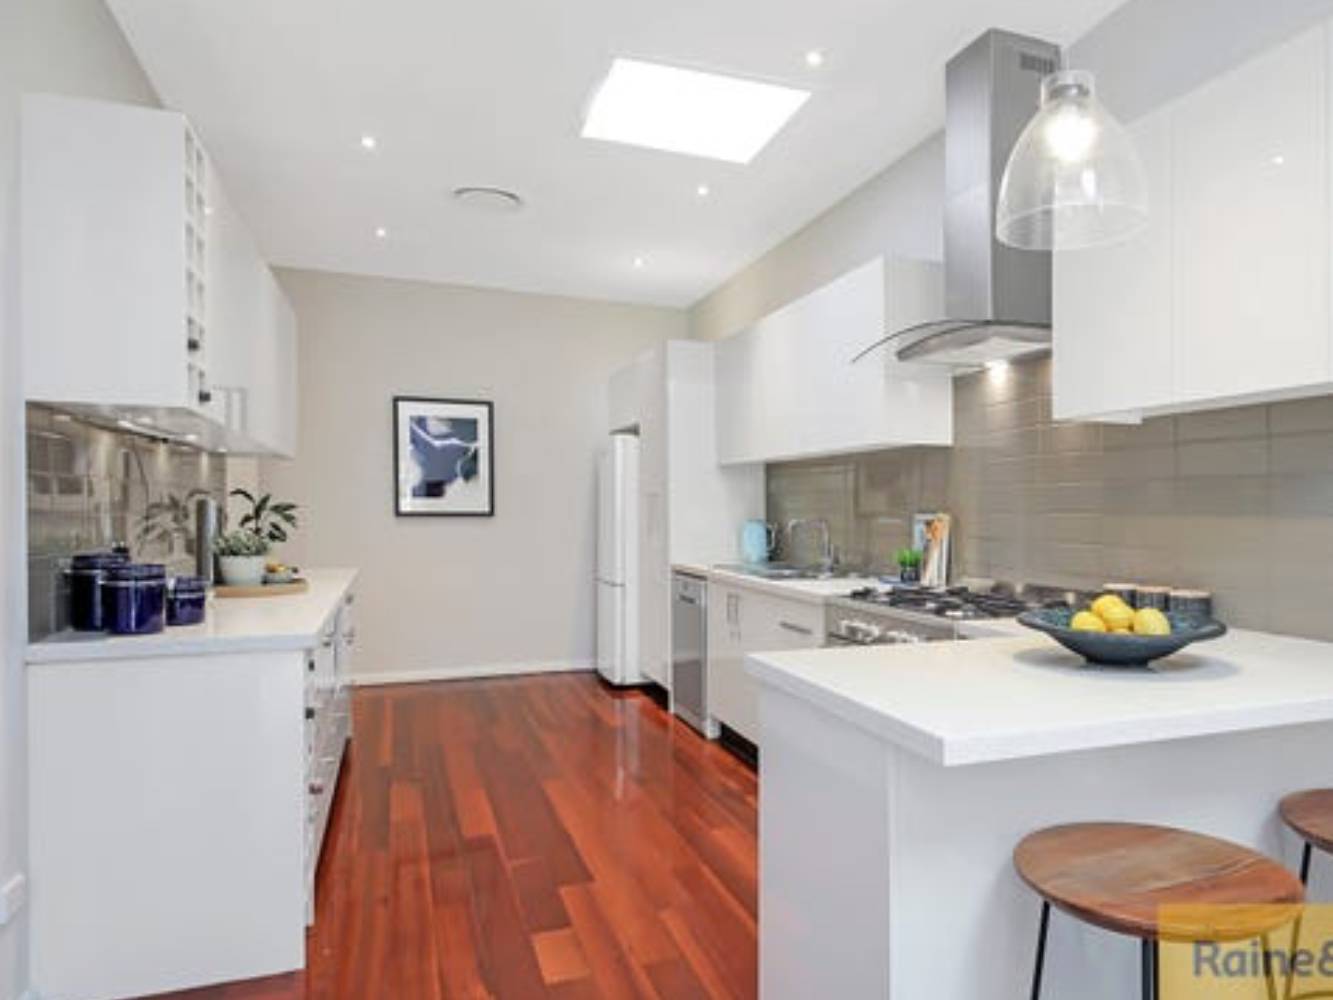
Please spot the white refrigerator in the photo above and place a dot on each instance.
(618, 561)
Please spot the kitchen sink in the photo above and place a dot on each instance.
(786, 571)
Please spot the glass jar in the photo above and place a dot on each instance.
(186, 596)
(134, 598)
(85, 574)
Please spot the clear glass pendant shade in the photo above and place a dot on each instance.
(1074, 178)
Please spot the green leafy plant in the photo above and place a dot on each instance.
(241, 542)
(908, 558)
(169, 520)
(267, 519)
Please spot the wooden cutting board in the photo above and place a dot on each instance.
(297, 586)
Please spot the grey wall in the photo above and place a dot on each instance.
(89, 487)
(70, 47)
(442, 595)
(1236, 501)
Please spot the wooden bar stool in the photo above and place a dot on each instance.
(1310, 814)
(1116, 876)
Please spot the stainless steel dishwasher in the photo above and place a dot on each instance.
(689, 645)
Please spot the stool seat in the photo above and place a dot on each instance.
(1117, 875)
(1310, 814)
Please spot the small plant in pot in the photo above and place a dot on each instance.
(909, 565)
(241, 553)
(241, 557)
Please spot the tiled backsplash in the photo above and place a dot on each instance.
(89, 487)
(1237, 501)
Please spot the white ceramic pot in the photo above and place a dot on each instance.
(242, 571)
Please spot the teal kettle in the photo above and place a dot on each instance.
(757, 540)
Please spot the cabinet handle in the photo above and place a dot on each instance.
(205, 397)
(309, 713)
(798, 629)
(316, 788)
(327, 641)
(310, 664)
(351, 599)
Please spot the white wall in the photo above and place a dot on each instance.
(899, 211)
(1144, 54)
(70, 47)
(444, 595)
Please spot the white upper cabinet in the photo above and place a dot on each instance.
(1251, 259)
(142, 295)
(1112, 305)
(787, 387)
(1225, 298)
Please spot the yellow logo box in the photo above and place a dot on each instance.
(1245, 952)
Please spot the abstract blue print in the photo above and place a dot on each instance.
(446, 452)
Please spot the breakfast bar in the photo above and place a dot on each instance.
(896, 781)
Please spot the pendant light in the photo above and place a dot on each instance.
(1074, 178)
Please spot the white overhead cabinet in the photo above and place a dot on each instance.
(787, 387)
(1225, 298)
(142, 296)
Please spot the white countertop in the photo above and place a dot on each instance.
(969, 702)
(289, 621)
(810, 591)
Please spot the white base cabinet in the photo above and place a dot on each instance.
(787, 387)
(179, 804)
(1224, 299)
(743, 621)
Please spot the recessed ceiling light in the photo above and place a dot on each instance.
(368, 142)
(703, 190)
(496, 200)
(639, 263)
(222, 450)
(381, 232)
(686, 111)
(814, 58)
(192, 438)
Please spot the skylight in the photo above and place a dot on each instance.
(687, 111)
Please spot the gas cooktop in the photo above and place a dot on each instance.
(953, 603)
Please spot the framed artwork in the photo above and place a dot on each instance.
(443, 457)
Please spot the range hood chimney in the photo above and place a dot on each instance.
(997, 297)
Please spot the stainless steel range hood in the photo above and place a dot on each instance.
(997, 298)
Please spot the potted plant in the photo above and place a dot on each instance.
(909, 565)
(267, 518)
(241, 557)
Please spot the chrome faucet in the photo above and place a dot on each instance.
(826, 539)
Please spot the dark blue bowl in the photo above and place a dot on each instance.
(1118, 650)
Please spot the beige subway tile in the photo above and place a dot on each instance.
(1151, 433)
(1301, 454)
(1139, 496)
(1248, 457)
(1301, 415)
(1301, 496)
(1157, 462)
(1075, 437)
(1211, 425)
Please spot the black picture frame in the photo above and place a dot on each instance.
(407, 502)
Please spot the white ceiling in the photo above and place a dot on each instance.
(491, 92)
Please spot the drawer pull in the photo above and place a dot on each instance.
(316, 788)
(798, 629)
(351, 598)
(310, 664)
(309, 713)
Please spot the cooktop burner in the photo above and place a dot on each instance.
(957, 603)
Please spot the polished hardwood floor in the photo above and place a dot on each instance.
(530, 837)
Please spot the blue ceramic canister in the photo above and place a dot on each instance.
(134, 598)
(186, 596)
(85, 574)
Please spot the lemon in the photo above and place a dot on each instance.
(1114, 612)
(1150, 621)
(1121, 631)
(1086, 621)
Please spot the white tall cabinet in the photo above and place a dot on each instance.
(1224, 298)
(142, 295)
(690, 508)
(787, 387)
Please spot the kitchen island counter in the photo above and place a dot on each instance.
(896, 780)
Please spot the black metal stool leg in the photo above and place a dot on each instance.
(1305, 863)
(1148, 963)
(1041, 949)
